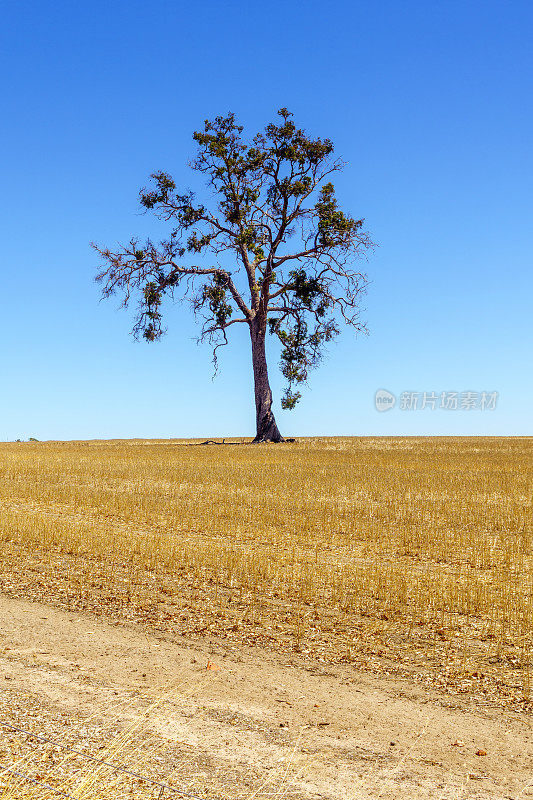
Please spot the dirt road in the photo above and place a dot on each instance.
(231, 724)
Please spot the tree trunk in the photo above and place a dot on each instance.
(267, 430)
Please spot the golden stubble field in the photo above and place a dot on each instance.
(405, 556)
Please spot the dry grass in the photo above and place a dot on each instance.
(404, 555)
(100, 758)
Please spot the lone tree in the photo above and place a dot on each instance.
(281, 252)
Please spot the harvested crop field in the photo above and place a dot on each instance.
(407, 557)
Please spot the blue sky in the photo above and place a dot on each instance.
(430, 105)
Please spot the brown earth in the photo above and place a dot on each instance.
(243, 723)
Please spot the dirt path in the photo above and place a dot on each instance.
(227, 723)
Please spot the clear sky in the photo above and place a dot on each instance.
(429, 102)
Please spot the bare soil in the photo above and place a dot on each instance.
(245, 722)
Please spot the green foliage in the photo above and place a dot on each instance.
(290, 399)
(150, 323)
(293, 145)
(334, 227)
(214, 294)
(196, 243)
(160, 194)
(302, 347)
(306, 289)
